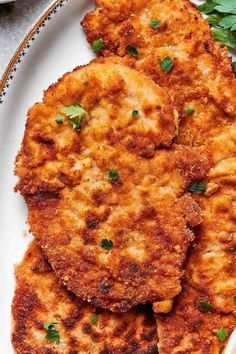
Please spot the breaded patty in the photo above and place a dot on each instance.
(40, 299)
(201, 64)
(189, 330)
(108, 203)
(210, 277)
(201, 79)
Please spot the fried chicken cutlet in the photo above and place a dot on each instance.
(80, 328)
(199, 63)
(188, 329)
(107, 202)
(200, 78)
(209, 277)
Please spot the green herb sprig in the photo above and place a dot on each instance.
(221, 15)
(222, 334)
(107, 244)
(97, 45)
(205, 306)
(167, 64)
(52, 334)
(94, 319)
(113, 175)
(197, 187)
(76, 113)
(155, 23)
(131, 50)
(135, 114)
(189, 111)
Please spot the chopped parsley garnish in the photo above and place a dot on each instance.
(107, 244)
(204, 306)
(197, 188)
(59, 120)
(113, 175)
(167, 64)
(234, 299)
(189, 111)
(131, 50)
(94, 319)
(75, 112)
(222, 18)
(234, 251)
(97, 45)
(135, 114)
(52, 334)
(155, 24)
(222, 334)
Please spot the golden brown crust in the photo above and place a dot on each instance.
(182, 35)
(188, 330)
(73, 205)
(209, 276)
(202, 78)
(40, 299)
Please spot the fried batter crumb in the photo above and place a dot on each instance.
(144, 211)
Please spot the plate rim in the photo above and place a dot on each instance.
(16, 59)
(22, 46)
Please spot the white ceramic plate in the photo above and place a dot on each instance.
(54, 45)
(59, 47)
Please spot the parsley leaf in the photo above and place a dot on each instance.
(189, 111)
(197, 187)
(226, 6)
(59, 120)
(97, 45)
(135, 114)
(222, 334)
(224, 36)
(235, 299)
(113, 175)
(74, 110)
(52, 334)
(167, 64)
(222, 18)
(94, 319)
(207, 7)
(107, 244)
(131, 50)
(228, 22)
(155, 24)
(214, 19)
(76, 113)
(204, 306)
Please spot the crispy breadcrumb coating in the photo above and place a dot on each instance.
(202, 78)
(118, 183)
(83, 329)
